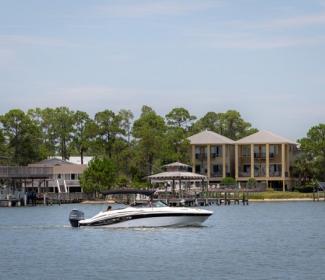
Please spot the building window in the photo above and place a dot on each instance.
(246, 151)
(216, 170)
(274, 151)
(216, 151)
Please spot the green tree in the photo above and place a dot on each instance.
(210, 121)
(313, 148)
(83, 132)
(3, 148)
(177, 146)
(126, 117)
(251, 183)
(57, 129)
(229, 181)
(179, 117)
(100, 175)
(108, 130)
(229, 124)
(44, 120)
(234, 127)
(23, 137)
(63, 129)
(149, 132)
(303, 169)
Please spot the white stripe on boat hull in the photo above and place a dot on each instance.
(161, 222)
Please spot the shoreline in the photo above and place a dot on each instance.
(281, 199)
(250, 200)
(98, 202)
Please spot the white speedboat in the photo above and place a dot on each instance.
(153, 214)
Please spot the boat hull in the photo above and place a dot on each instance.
(168, 221)
(147, 217)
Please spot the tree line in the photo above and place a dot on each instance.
(132, 148)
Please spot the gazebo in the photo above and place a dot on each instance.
(177, 172)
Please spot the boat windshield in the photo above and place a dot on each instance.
(159, 203)
(155, 204)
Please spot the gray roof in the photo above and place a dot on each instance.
(209, 137)
(52, 162)
(265, 137)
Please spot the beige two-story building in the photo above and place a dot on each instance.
(266, 157)
(213, 155)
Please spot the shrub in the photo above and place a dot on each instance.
(229, 181)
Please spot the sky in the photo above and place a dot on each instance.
(265, 59)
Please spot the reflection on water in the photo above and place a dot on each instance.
(260, 241)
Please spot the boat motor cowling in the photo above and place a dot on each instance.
(76, 216)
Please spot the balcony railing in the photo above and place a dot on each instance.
(25, 172)
(216, 174)
(275, 174)
(260, 155)
(200, 156)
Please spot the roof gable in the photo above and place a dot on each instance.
(52, 162)
(265, 137)
(209, 137)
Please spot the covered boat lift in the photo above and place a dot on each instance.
(177, 172)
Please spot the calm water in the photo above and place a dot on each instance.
(259, 241)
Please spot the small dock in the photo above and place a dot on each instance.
(216, 197)
(10, 202)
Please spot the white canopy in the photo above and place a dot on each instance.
(177, 175)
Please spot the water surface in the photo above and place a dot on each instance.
(259, 241)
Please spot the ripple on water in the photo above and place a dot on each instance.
(261, 241)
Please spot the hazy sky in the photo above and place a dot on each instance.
(265, 59)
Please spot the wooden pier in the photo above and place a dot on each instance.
(215, 197)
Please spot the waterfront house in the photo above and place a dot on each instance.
(64, 175)
(266, 157)
(212, 155)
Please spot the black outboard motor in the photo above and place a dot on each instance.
(76, 216)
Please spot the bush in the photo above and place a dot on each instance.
(251, 183)
(304, 189)
(229, 181)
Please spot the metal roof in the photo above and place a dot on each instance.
(265, 137)
(177, 175)
(129, 191)
(51, 162)
(177, 164)
(209, 137)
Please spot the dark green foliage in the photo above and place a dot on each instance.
(311, 164)
(23, 137)
(149, 131)
(135, 149)
(229, 181)
(229, 124)
(304, 189)
(100, 175)
(251, 183)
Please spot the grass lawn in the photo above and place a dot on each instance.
(281, 195)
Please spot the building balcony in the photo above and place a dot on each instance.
(260, 155)
(216, 174)
(244, 174)
(201, 156)
(275, 174)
